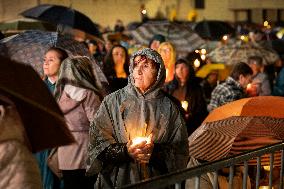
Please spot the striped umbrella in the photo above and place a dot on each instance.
(235, 53)
(29, 47)
(239, 126)
(182, 37)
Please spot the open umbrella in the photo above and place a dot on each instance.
(57, 14)
(43, 120)
(29, 47)
(239, 126)
(235, 53)
(213, 29)
(207, 68)
(182, 37)
(26, 24)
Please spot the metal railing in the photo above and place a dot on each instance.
(175, 178)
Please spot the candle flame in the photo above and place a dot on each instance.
(184, 105)
(139, 140)
(196, 63)
(203, 51)
(249, 86)
(266, 168)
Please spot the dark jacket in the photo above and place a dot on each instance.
(196, 111)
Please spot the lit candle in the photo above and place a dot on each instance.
(196, 63)
(203, 51)
(264, 187)
(184, 105)
(249, 86)
(225, 37)
(139, 140)
(203, 57)
(266, 168)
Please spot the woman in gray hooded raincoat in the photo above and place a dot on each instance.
(141, 109)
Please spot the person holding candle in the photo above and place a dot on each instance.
(234, 88)
(141, 109)
(187, 90)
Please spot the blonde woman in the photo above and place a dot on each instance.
(168, 53)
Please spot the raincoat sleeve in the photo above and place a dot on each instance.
(101, 136)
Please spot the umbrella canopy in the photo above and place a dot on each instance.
(57, 14)
(29, 47)
(207, 68)
(213, 29)
(232, 54)
(239, 126)
(26, 24)
(182, 37)
(43, 120)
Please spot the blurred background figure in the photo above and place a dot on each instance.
(260, 85)
(116, 67)
(2, 36)
(97, 51)
(156, 41)
(19, 168)
(187, 90)
(233, 88)
(168, 53)
(278, 89)
(119, 27)
(78, 95)
(208, 84)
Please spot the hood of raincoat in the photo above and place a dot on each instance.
(153, 91)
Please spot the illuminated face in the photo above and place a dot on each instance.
(144, 73)
(51, 63)
(118, 55)
(245, 80)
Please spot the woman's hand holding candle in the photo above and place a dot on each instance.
(140, 148)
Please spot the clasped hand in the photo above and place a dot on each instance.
(140, 152)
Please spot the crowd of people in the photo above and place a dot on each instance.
(152, 95)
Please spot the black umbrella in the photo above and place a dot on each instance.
(1, 35)
(57, 14)
(42, 118)
(213, 29)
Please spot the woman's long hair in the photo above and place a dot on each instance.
(191, 80)
(108, 67)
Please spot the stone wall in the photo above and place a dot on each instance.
(106, 12)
